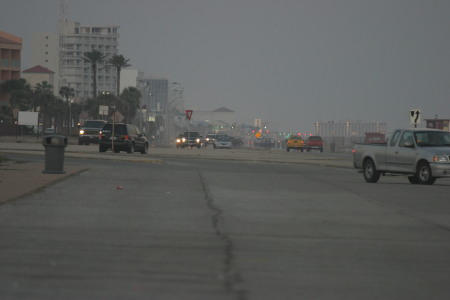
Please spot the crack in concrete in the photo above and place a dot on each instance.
(231, 276)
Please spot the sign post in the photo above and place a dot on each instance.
(188, 116)
(415, 117)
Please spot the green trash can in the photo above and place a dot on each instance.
(54, 153)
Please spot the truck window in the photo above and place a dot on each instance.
(406, 137)
(394, 138)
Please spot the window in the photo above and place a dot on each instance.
(394, 138)
(406, 139)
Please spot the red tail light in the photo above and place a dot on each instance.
(126, 137)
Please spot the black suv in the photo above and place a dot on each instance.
(190, 139)
(127, 138)
(90, 131)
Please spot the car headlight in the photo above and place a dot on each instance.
(178, 140)
(440, 158)
(198, 140)
(81, 131)
(183, 140)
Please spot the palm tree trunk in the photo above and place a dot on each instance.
(118, 82)
(94, 69)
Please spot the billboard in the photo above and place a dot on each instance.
(28, 118)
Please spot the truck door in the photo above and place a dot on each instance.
(402, 157)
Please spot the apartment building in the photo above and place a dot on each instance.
(38, 74)
(63, 52)
(10, 57)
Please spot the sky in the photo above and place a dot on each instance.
(288, 62)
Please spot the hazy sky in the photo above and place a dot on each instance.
(288, 62)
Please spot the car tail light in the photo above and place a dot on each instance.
(126, 137)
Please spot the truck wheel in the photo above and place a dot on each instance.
(288, 149)
(101, 149)
(424, 175)
(371, 175)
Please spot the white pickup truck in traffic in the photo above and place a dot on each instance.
(421, 154)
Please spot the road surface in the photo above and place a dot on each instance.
(215, 229)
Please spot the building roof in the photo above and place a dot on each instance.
(38, 69)
(7, 38)
(223, 109)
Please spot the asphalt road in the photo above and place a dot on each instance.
(222, 229)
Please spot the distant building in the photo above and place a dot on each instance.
(346, 132)
(10, 58)
(218, 117)
(443, 124)
(38, 74)
(63, 52)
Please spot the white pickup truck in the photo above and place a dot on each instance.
(421, 154)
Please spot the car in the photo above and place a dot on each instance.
(122, 137)
(236, 141)
(190, 139)
(209, 139)
(179, 140)
(222, 142)
(90, 131)
(49, 131)
(314, 142)
(295, 142)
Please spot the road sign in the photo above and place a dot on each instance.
(188, 114)
(415, 116)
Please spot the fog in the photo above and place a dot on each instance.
(289, 62)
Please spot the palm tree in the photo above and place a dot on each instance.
(94, 58)
(119, 62)
(45, 100)
(19, 92)
(131, 98)
(67, 92)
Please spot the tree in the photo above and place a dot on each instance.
(44, 99)
(19, 93)
(67, 92)
(94, 57)
(119, 62)
(130, 102)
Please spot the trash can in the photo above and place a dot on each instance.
(54, 153)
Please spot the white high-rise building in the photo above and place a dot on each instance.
(63, 53)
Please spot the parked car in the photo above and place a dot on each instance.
(90, 131)
(314, 142)
(123, 137)
(49, 131)
(223, 142)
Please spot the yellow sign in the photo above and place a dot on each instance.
(258, 135)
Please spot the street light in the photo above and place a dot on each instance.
(70, 118)
(113, 107)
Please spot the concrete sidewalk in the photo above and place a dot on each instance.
(18, 179)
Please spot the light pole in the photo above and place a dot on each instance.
(70, 118)
(113, 107)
